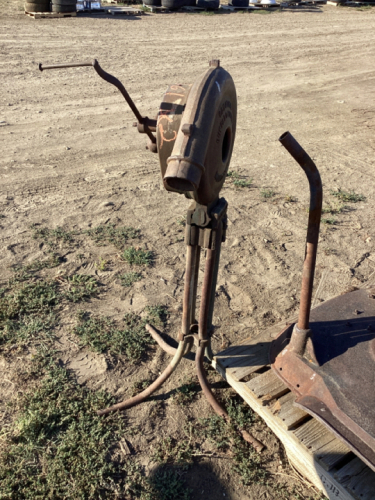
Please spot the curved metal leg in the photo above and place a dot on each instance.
(214, 402)
(139, 398)
(205, 317)
(166, 347)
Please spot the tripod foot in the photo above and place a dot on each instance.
(139, 398)
(214, 402)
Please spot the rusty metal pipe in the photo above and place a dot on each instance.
(315, 212)
(209, 285)
(214, 402)
(114, 81)
(166, 347)
(139, 398)
(190, 289)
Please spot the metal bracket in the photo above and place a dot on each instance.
(201, 224)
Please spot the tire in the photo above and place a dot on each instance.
(173, 4)
(37, 7)
(208, 4)
(152, 3)
(63, 8)
(239, 3)
(71, 3)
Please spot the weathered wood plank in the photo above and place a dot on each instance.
(232, 354)
(255, 364)
(332, 454)
(245, 357)
(314, 435)
(267, 386)
(363, 485)
(349, 471)
(289, 414)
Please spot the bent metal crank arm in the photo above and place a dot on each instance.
(145, 125)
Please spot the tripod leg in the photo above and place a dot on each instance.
(190, 292)
(205, 316)
(153, 387)
(214, 402)
(166, 347)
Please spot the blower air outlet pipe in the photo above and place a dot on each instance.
(315, 212)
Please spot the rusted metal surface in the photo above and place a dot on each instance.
(315, 212)
(338, 386)
(204, 142)
(328, 359)
(195, 132)
(169, 119)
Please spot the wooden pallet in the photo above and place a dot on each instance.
(91, 11)
(124, 11)
(50, 15)
(233, 9)
(311, 448)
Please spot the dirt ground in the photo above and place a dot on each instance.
(70, 158)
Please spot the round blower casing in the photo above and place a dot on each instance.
(196, 128)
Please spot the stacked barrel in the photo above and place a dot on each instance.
(63, 6)
(37, 6)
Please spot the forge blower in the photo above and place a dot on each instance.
(327, 358)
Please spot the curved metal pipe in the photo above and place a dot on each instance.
(139, 398)
(166, 347)
(315, 212)
(214, 402)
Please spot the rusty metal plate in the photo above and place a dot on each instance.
(339, 389)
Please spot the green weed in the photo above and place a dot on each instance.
(331, 221)
(168, 485)
(224, 435)
(102, 264)
(52, 237)
(338, 209)
(81, 287)
(348, 196)
(29, 299)
(140, 386)
(127, 279)
(58, 446)
(267, 193)
(26, 330)
(102, 334)
(138, 256)
(186, 393)
(22, 272)
(241, 183)
(118, 236)
(172, 451)
(233, 174)
(181, 221)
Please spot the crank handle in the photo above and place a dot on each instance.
(143, 121)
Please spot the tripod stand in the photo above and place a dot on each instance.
(205, 229)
